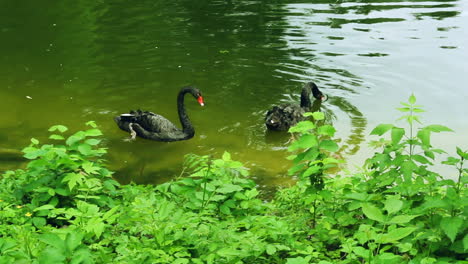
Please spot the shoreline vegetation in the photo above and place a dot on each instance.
(65, 207)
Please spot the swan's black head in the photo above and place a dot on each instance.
(316, 92)
(196, 93)
(199, 97)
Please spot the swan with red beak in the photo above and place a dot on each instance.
(152, 126)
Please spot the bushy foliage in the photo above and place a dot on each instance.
(66, 208)
(395, 210)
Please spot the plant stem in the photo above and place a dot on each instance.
(315, 212)
(411, 132)
(460, 172)
(204, 183)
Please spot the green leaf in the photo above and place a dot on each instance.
(251, 193)
(75, 138)
(89, 167)
(465, 242)
(227, 252)
(226, 156)
(51, 192)
(327, 130)
(298, 260)
(296, 168)
(44, 207)
(393, 205)
(229, 188)
(397, 234)
(451, 161)
(421, 159)
(92, 141)
(110, 215)
(52, 255)
(412, 99)
(182, 261)
(451, 226)
(373, 212)
(62, 191)
(357, 196)
(311, 170)
(310, 154)
(93, 132)
(438, 128)
(73, 240)
(225, 209)
(397, 134)
(39, 221)
(402, 219)
(429, 154)
(302, 126)
(389, 258)
(56, 137)
(32, 152)
(91, 124)
(331, 161)
(461, 153)
(304, 142)
(328, 145)
(315, 115)
(404, 109)
(60, 128)
(362, 252)
(381, 129)
(270, 249)
(73, 179)
(85, 149)
(34, 141)
(52, 239)
(318, 116)
(425, 136)
(407, 168)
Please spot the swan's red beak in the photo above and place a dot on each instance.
(200, 100)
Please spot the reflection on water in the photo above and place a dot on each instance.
(62, 65)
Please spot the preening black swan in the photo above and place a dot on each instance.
(282, 117)
(155, 127)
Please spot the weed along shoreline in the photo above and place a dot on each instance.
(65, 206)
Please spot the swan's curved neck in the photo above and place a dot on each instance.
(305, 97)
(187, 127)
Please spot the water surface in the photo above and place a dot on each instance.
(68, 62)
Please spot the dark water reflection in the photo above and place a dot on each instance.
(101, 58)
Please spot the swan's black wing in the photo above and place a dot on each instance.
(150, 126)
(282, 117)
(155, 123)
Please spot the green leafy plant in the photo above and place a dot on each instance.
(65, 247)
(215, 187)
(396, 210)
(64, 207)
(61, 175)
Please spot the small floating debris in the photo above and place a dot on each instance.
(362, 29)
(29, 97)
(335, 38)
(376, 54)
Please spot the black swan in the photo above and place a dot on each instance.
(282, 117)
(155, 127)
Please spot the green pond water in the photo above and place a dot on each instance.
(68, 62)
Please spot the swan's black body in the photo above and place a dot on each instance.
(282, 117)
(156, 127)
